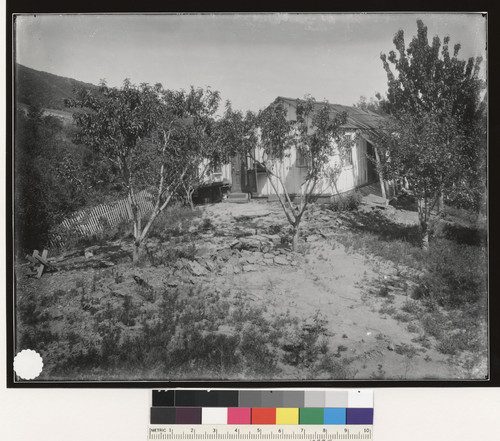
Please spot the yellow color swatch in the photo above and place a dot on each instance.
(287, 415)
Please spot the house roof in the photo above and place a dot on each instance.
(356, 118)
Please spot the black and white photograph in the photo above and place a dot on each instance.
(272, 197)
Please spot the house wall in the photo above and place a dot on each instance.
(294, 176)
(226, 172)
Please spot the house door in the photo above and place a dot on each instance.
(370, 163)
(237, 174)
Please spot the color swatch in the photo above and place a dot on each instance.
(262, 407)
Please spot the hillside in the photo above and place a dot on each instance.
(43, 89)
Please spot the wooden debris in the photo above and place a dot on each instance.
(39, 263)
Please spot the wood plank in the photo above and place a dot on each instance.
(43, 260)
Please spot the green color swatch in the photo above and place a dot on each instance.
(311, 415)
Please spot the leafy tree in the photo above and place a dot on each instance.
(434, 137)
(372, 105)
(149, 134)
(205, 152)
(42, 197)
(315, 134)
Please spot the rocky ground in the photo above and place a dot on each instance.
(242, 250)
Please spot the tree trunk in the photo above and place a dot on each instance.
(425, 236)
(137, 251)
(295, 239)
(189, 197)
(423, 217)
(440, 203)
(337, 190)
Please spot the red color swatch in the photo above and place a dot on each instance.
(263, 415)
(239, 415)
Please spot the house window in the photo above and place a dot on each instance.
(347, 158)
(301, 160)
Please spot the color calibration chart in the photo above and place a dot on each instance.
(313, 415)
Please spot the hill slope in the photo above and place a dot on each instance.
(34, 87)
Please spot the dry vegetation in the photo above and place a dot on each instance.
(220, 295)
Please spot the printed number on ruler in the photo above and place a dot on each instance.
(249, 432)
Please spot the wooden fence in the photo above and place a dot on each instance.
(92, 221)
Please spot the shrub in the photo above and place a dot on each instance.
(458, 341)
(456, 274)
(167, 254)
(434, 324)
(174, 221)
(274, 229)
(346, 203)
(304, 348)
(206, 224)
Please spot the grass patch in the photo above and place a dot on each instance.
(187, 333)
(450, 294)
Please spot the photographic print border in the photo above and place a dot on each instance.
(494, 361)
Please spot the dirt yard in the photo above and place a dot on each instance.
(371, 324)
(338, 284)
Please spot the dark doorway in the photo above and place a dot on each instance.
(370, 163)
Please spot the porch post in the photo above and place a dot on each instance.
(377, 159)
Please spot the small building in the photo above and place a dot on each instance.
(247, 176)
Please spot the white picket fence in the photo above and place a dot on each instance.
(91, 221)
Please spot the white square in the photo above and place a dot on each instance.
(360, 398)
(214, 415)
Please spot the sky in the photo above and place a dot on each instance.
(251, 59)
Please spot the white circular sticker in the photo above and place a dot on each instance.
(28, 364)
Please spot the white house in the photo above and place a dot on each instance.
(358, 170)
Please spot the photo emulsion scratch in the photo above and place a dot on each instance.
(268, 197)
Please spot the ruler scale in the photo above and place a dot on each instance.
(258, 415)
(242, 432)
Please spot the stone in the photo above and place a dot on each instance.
(173, 283)
(196, 269)
(254, 258)
(268, 256)
(267, 261)
(234, 261)
(250, 243)
(250, 268)
(234, 243)
(313, 238)
(281, 260)
(236, 269)
(274, 238)
(210, 265)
